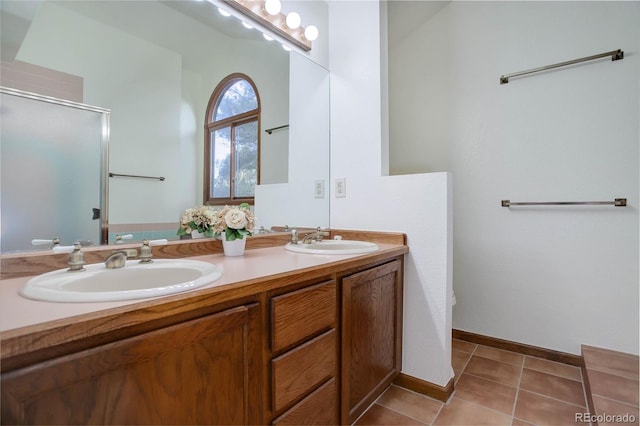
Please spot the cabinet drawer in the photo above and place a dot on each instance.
(301, 369)
(301, 313)
(319, 408)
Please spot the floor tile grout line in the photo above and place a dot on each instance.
(515, 399)
(556, 375)
(614, 373)
(584, 391)
(430, 398)
(439, 411)
(608, 398)
(489, 380)
(462, 398)
(556, 399)
(404, 413)
(501, 350)
(483, 406)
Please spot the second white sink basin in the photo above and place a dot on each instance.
(334, 247)
(133, 281)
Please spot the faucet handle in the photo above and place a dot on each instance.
(146, 253)
(76, 258)
(294, 236)
(53, 242)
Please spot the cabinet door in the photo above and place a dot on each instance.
(371, 336)
(197, 372)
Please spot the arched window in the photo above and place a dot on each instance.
(232, 142)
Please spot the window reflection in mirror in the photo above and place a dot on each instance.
(232, 142)
(154, 65)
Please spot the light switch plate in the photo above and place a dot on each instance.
(318, 188)
(341, 188)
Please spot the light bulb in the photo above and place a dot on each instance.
(287, 48)
(267, 37)
(272, 7)
(247, 26)
(293, 20)
(223, 12)
(311, 32)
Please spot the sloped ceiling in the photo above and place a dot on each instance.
(405, 16)
(15, 19)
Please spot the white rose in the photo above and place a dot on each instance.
(236, 219)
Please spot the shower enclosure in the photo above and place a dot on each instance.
(53, 162)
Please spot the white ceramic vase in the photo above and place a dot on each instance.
(235, 247)
(195, 234)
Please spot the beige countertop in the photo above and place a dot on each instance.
(17, 311)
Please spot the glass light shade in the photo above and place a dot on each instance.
(272, 7)
(293, 20)
(311, 32)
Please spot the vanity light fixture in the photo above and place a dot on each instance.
(293, 20)
(272, 7)
(311, 32)
(286, 27)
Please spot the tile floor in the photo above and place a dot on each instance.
(613, 378)
(492, 387)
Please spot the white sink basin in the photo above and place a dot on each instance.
(334, 247)
(133, 281)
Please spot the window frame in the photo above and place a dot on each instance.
(234, 121)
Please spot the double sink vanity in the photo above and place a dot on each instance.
(283, 335)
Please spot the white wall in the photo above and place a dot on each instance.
(418, 205)
(295, 203)
(554, 277)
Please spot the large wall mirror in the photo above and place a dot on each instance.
(153, 65)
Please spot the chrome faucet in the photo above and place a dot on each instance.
(116, 260)
(315, 236)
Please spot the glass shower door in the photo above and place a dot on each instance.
(51, 172)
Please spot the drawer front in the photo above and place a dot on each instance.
(298, 371)
(301, 313)
(319, 408)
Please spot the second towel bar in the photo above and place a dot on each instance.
(615, 56)
(618, 202)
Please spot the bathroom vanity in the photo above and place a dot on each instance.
(282, 338)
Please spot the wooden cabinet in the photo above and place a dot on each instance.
(196, 372)
(304, 344)
(371, 336)
(298, 352)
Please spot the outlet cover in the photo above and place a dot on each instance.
(341, 188)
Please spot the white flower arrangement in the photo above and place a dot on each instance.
(234, 221)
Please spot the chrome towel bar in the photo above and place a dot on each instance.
(161, 178)
(615, 55)
(271, 130)
(618, 202)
